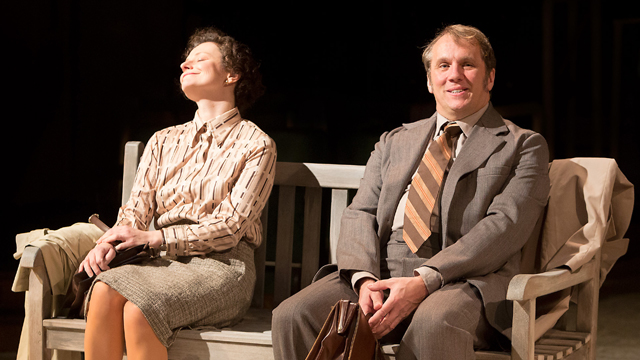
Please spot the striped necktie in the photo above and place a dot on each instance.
(426, 186)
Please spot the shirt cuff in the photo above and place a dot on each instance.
(431, 277)
(358, 275)
(174, 240)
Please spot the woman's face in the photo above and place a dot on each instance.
(203, 75)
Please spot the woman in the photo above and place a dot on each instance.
(205, 184)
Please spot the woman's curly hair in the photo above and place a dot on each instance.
(236, 58)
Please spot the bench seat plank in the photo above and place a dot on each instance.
(556, 352)
(185, 349)
(573, 344)
(570, 335)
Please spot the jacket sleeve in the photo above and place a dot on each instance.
(359, 243)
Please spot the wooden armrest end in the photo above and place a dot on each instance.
(31, 257)
(529, 286)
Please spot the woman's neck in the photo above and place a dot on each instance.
(208, 109)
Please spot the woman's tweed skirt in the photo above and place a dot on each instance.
(211, 290)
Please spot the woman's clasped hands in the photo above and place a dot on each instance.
(116, 239)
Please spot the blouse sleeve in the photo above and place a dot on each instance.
(237, 215)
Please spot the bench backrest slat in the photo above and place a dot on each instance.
(284, 243)
(339, 201)
(132, 152)
(260, 258)
(311, 235)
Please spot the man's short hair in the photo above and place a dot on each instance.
(459, 33)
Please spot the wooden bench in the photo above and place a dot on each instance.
(301, 194)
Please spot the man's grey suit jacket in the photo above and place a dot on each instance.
(491, 205)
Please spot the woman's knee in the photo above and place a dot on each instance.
(105, 297)
(133, 317)
(141, 340)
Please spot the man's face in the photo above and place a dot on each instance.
(458, 79)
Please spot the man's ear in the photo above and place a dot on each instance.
(491, 79)
(429, 85)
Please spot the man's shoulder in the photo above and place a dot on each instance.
(411, 127)
(418, 123)
(493, 119)
(517, 131)
(521, 138)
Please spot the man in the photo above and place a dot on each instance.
(434, 275)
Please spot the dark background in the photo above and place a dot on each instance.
(83, 77)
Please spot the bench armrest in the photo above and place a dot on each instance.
(31, 258)
(530, 286)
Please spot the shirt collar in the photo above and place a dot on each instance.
(219, 127)
(466, 124)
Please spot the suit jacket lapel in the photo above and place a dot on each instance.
(408, 148)
(407, 155)
(480, 144)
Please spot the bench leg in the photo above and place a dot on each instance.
(37, 308)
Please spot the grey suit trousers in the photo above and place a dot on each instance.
(448, 324)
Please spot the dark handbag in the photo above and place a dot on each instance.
(346, 335)
(81, 282)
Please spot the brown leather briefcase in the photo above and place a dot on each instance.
(346, 335)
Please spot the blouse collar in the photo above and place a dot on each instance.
(219, 127)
